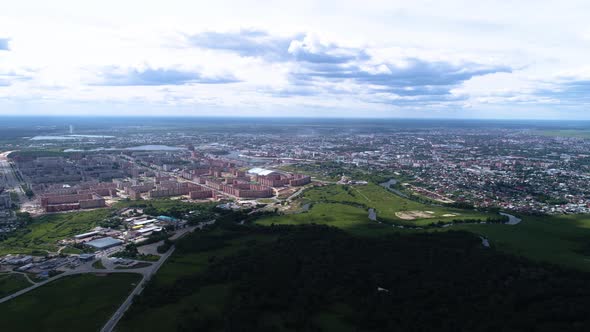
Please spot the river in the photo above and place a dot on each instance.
(133, 148)
(387, 185)
(512, 220)
(372, 215)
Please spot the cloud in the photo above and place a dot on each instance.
(319, 68)
(9, 78)
(409, 81)
(413, 72)
(311, 50)
(156, 77)
(4, 44)
(248, 43)
(256, 43)
(571, 91)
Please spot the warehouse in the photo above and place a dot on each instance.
(261, 171)
(104, 243)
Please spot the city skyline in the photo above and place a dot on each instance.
(496, 60)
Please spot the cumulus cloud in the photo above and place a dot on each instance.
(416, 77)
(4, 44)
(319, 68)
(249, 43)
(158, 76)
(572, 91)
(333, 54)
(11, 77)
(257, 43)
(310, 49)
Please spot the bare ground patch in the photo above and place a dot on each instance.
(413, 215)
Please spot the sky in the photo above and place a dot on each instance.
(370, 59)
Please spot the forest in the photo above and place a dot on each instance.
(319, 278)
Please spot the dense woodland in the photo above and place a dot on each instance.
(314, 278)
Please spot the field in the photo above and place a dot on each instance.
(347, 207)
(561, 240)
(10, 283)
(90, 301)
(42, 234)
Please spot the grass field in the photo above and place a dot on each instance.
(561, 240)
(10, 283)
(42, 234)
(347, 207)
(90, 301)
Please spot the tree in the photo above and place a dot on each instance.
(131, 248)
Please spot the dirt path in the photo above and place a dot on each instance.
(364, 196)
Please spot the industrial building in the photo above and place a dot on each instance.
(104, 243)
(278, 179)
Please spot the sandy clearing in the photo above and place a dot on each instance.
(413, 215)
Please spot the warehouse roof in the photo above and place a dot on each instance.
(260, 171)
(103, 243)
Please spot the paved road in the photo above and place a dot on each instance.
(112, 322)
(86, 268)
(110, 325)
(295, 194)
(9, 179)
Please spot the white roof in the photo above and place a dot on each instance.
(150, 229)
(260, 171)
(79, 236)
(144, 222)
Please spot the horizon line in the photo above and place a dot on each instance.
(278, 117)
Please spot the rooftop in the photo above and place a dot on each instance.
(104, 242)
(260, 171)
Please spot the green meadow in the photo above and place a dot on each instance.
(11, 283)
(347, 207)
(561, 240)
(42, 234)
(90, 301)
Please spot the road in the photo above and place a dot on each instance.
(295, 194)
(11, 182)
(6, 171)
(86, 268)
(112, 322)
(146, 272)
